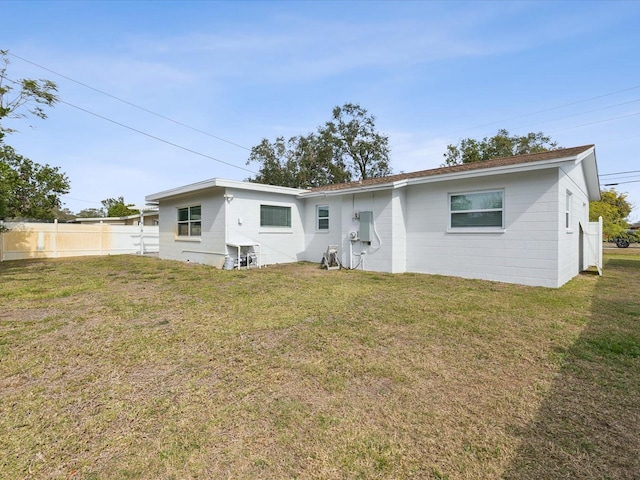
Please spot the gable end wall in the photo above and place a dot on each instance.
(571, 178)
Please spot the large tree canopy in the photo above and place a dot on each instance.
(614, 209)
(27, 189)
(300, 162)
(116, 207)
(500, 145)
(90, 213)
(347, 147)
(355, 142)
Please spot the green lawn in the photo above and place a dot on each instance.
(132, 367)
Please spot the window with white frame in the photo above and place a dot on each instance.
(275, 216)
(567, 211)
(476, 210)
(190, 221)
(322, 217)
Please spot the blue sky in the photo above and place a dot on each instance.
(432, 73)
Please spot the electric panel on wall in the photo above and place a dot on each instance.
(366, 226)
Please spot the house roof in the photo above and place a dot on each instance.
(495, 166)
(551, 156)
(148, 213)
(221, 183)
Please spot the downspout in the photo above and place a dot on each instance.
(227, 199)
(350, 255)
(141, 227)
(373, 222)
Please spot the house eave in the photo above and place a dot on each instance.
(346, 191)
(500, 170)
(590, 168)
(220, 183)
(469, 174)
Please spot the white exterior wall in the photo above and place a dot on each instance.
(410, 230)
(317, 241)
(399, 231)
(277, 244)
(571, 179)
(378, 255)
(526, 252)
(209, 248)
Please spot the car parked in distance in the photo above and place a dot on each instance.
(623, 241)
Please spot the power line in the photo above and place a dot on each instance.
(621, 178)
(144, 133)
(79, 200)
(156, 138)
(620, 183)
(590, 111)
(619, 173)
(557, 107)
(245, 148)
(130, 103)
(595, 123)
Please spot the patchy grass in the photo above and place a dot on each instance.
(130, 367)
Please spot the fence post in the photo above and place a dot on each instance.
(141, 224)
(55, 239)
(1, 240)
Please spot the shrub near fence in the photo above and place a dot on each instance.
(56, 240)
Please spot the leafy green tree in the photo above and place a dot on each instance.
(31, 95)
(345, 148)
(614, 208)
(90, 213)
(27, 189)
(354, 142)
(64, 214)
(500, 145)
(300, 162)
(277, 167)
(116, 207)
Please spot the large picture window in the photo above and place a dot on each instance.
(322, 217)
(190, 221)
(484, 210)
(274, 216)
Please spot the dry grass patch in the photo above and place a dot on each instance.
(131, 367)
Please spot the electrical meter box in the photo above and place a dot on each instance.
(366, 226)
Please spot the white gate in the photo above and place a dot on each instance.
(593, 245)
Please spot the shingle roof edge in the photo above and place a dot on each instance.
(493, 163)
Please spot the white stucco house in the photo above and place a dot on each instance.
(522, 219)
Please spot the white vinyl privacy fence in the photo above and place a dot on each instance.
(57, 240)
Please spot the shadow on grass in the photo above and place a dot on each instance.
(588, 427)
